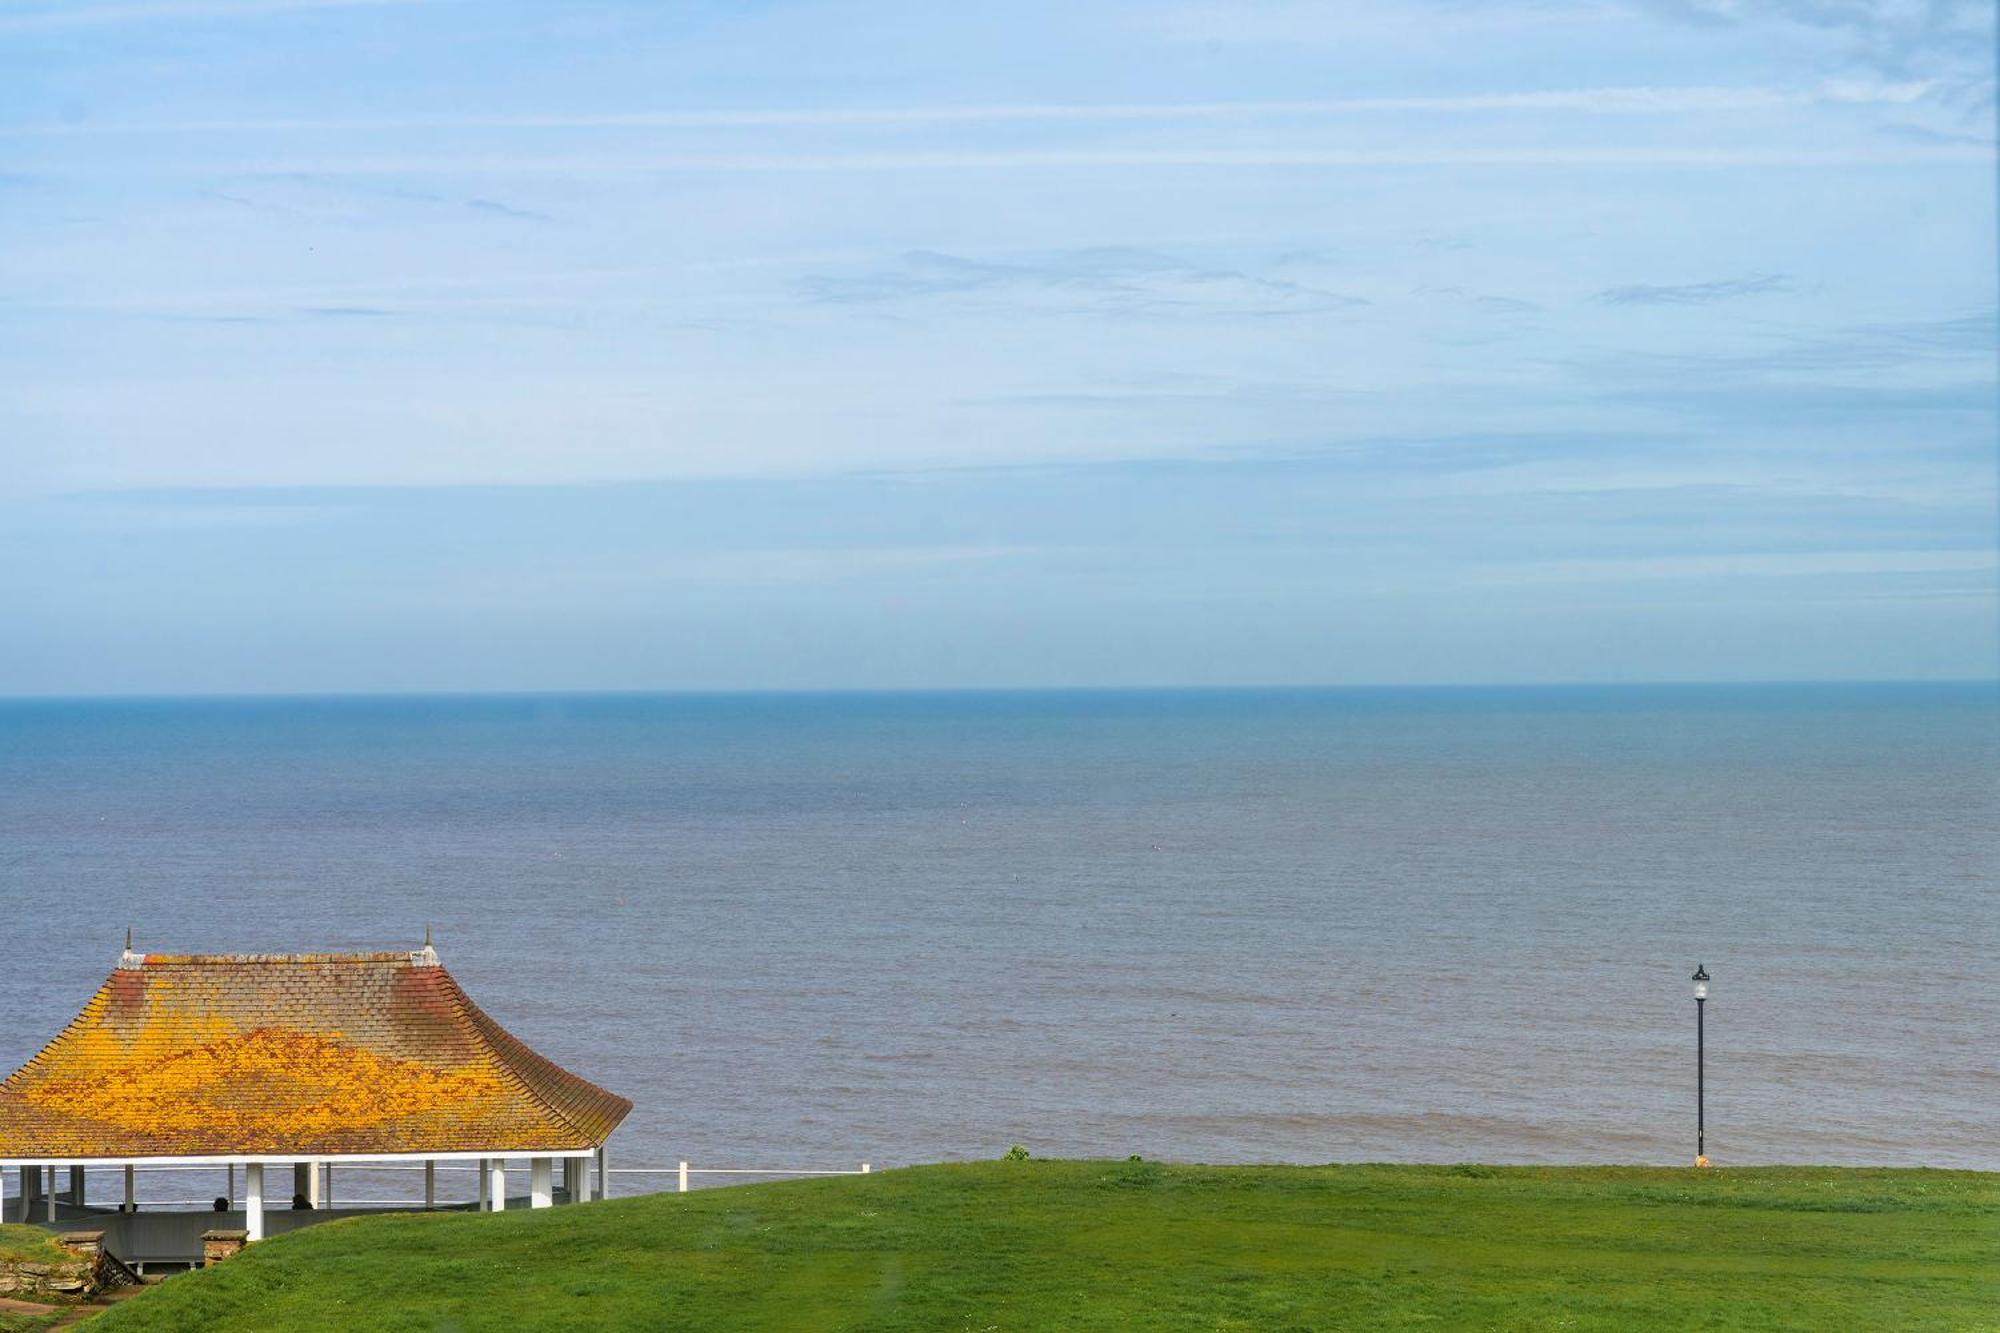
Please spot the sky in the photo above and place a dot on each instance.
(413, 345)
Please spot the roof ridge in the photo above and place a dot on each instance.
(185, 959)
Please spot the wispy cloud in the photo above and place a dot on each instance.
(1892, 37)
(1539, 155)
(1926, 135)
(1742, 564)
(1696, 293)
(400, 193)
(84, 16)
(1112, 281)
(1929, 371)
(1864, 347)
(498, 209)
(1481, 301)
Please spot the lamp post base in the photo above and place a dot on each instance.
(1701, 1161)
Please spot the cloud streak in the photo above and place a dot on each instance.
(1616, 101)
(1696, 293)
(90, 16)
(444, 165)
(1114, 281)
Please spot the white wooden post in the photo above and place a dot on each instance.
(541, 1191)
(430, 1184)
(479, 1190)
(253, 1200)
(864, 1168)
(497, 1184)
(131, 1197)
(27, 1193)
(76, 1183)
(684, 1177)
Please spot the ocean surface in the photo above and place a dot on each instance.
(1298, 926)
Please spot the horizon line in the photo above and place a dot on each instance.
(879, 691)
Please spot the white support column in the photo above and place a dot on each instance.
(430, 1185)
(131, 1197)
(253, 1200)
(76, 1184)
(3, 1200)
(496, 1184)
(582, 1165)
(49, 1191)
(479, 1190)
(230, 1189)
(541, 1192)
(684, 1178)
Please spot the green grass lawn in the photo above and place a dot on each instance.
(1006, 1246)
(30, 1245)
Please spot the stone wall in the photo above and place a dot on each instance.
(72, 1276)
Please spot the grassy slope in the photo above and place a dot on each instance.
(1102, 1245)
(31, 1244)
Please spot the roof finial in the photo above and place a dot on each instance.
(129, 959)
(427, 934)
(426, 956)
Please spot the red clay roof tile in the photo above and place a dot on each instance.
(190, 1055)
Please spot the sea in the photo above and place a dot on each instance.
(1340, 925)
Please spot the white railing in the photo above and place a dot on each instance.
(683, 1171)
(680, 1173)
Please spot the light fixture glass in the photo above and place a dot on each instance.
(1700, 982)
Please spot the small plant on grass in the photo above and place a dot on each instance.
(1015, 1154)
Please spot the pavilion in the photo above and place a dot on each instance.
(263, 1061)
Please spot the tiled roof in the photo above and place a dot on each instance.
(190, 1055)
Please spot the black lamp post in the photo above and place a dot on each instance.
(1700, 1125)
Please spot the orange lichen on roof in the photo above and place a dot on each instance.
(307, 1054)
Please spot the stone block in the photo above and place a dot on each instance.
(219, 1245)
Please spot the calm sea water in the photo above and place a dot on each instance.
(1237, 926)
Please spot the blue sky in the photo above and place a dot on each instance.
(432, 345)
